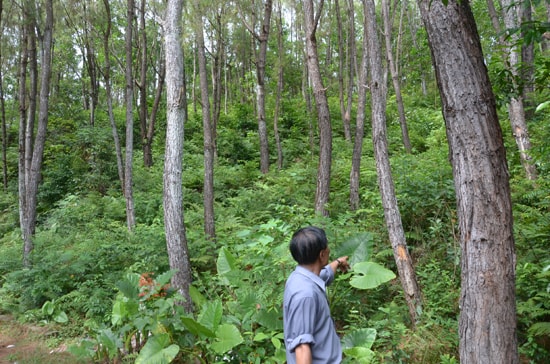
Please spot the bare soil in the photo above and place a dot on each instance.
(26, 344)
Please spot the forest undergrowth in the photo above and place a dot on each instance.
(103, 289)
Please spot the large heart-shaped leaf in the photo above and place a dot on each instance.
(158, 350)
(368, 275)
(227, 337)
(226, 262)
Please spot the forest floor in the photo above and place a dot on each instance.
(28, 343)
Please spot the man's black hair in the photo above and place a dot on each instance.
(307, 243)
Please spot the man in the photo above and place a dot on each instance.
(310, 335)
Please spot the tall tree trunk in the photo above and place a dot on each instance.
(142, 87)
(23, 105)
(109, 94)
(351, 66)
(355, 174)
(91, 66)
(208, 190)
(388, 24)
(3, 114)
(487, 323)
(321, 102)
(378, 91)
(527, 59)
(176, 240)
(33, 174)
(516, 112)
(511, 55)
(262, 37)
(129, 98)
(280, 60)
(341, 94)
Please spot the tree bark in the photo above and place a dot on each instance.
(516, 111)
(33, 174)
(262, 37)
(487, 323)
(355, 174)
(129, 98)
(394, 72)
(109, 94)
(3, 115)
(176, 240)
(208, 188)
(280, 80)
(321, 103)
(378, 91)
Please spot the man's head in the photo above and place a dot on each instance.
(307, 244)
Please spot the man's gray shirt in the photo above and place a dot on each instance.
(306, 316)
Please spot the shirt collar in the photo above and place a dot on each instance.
(314, 277)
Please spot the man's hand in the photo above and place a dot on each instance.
(303, 354)
(340, 263)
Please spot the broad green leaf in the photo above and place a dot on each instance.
(60, 317)
(226, 262)
(360, 337)
(261, 336)
(110, 342)
(129, 286)
(368, 275)
(211, 314)
(357, 248)
(360, 355)
(158, 350)
(165, 277)
(196, 296)
(47, 308)
(196, 328)
(543, 106)
(227, 337)
(276, 342)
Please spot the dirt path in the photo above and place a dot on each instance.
(27, 344)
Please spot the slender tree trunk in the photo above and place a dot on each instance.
(280, 61)
(323, 114)
(176, 240)
(511, 55)
(378, 91)
(351, 66)
(109, 94)
(22, 168)
(487, 323)
(142, 87)
(208, 190)
(527, 59)
(262, 37)
(341, 94)
(3, 113)
(395, 75)
(129, 98)
(34, 173)
(355, 174)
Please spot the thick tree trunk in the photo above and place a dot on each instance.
(394, 72)
(487, 324)
(176, 240)
(323, 114)
(208, 190)
(378, 92)
(129, 98)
